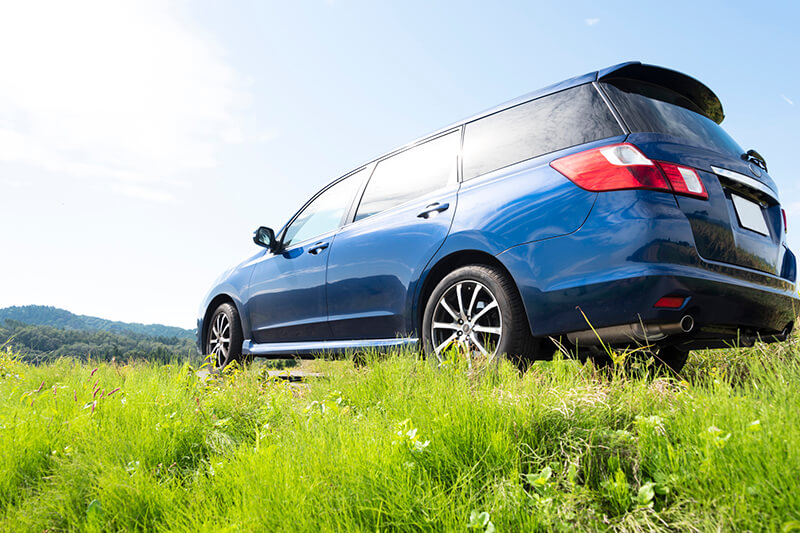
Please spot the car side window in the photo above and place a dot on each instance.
(410, 174)
(326, 212)
(560, 120)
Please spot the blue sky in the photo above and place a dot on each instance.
(141, 143)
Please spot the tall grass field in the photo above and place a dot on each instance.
(398, 443)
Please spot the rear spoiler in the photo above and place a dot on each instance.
(701, 96)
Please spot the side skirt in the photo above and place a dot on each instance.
(319, 347)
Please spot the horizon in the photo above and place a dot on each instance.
(90, 316)
(142, 143)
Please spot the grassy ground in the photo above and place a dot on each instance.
(398, 444)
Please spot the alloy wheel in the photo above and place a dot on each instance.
(468, 315)
(219, 338)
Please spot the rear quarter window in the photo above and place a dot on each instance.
(553, 122)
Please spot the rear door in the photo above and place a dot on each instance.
(401, 221)
(741, 222)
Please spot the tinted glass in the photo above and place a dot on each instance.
(567, 118)
(651, 108)
(326, 212)
(410, 174)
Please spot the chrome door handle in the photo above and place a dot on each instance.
(317, 248)
(435, 207)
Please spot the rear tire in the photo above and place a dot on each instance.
(671, 358)
(478, 308)
(224, 336)
(667, 359)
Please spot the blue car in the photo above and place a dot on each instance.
(608, 206)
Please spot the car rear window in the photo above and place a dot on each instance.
(553, 122)
(646, 108)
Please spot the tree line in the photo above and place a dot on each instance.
(45, 315)
(38, 344)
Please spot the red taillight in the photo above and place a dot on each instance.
(611, 168)
(684, 180)
(623, 166)
(785, 227)
(670, 302)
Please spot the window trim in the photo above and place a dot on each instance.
(620, 120)
(351, 212)
(374, 165)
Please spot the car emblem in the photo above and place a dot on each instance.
(755, 170)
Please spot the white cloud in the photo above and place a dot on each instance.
(787, 99)
(122, 91)
(11, 184)
(140, 192)
(591, 22)
(792, 208)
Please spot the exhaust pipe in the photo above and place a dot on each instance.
(631, 332)
(685, 325)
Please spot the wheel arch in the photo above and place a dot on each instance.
(215, 302)
(447, 264)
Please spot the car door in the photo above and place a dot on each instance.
(401, 221)
(287, 298)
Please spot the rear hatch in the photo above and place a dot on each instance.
(674, 118)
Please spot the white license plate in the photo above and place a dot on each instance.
(750, 215)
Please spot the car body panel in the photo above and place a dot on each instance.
(375, 263)
(230, 286)
(526, 202)
(286, 298)
(718, 235)
(634, 248)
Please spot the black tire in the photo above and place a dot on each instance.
(671, 358)
(664, 360)
(224, 336)
(514, 339)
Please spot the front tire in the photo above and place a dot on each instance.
(477, 308)
(224, 337)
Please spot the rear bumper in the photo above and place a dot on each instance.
(613, 270)
(712, 300)
(719, 311)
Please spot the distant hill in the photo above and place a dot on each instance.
(40, 344)
(41, 315)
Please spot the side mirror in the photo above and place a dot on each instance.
(265, 237)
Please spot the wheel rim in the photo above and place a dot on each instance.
(219, 338)
(467, 314)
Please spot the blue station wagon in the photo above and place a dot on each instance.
(609, 206)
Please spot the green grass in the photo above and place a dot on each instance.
(398, 444)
